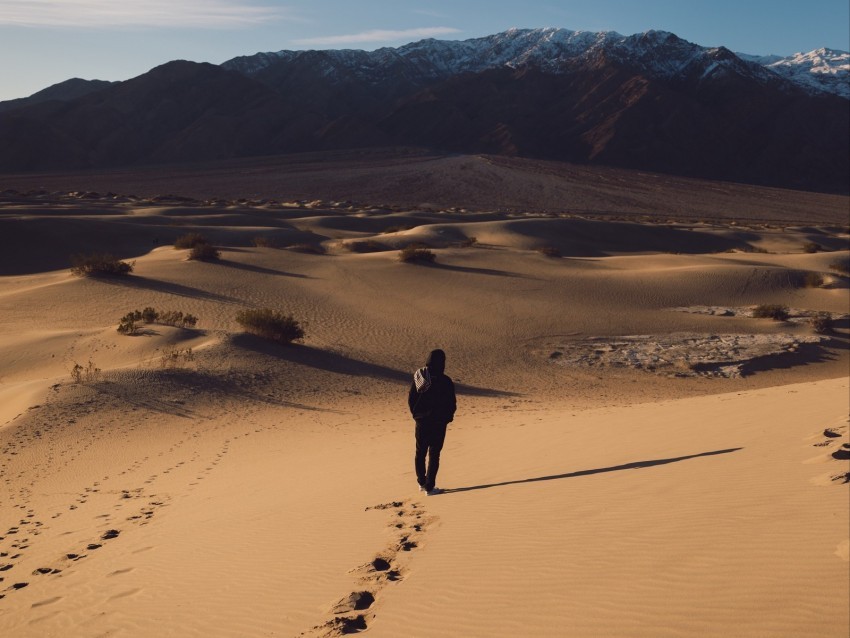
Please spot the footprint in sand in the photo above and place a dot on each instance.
(379, 572)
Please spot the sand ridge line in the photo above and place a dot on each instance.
(408, 524)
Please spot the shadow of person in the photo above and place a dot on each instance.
(616, 468)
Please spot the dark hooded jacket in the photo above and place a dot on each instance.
(438, 403)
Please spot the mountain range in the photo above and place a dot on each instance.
(649, 101)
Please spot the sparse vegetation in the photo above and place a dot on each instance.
(413, 254)
(88, 374)
(130, 323)
(204, 252)
(190, 240)
(813, 280)
(264, 242)
(811, 247)
(99, 264)
(549, 251)
(469, 242)
(174, 356)
(821, 323)
(777, 312)
(270, 324)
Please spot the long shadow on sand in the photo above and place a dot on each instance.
(137, 281)
(136, 391)
(628, 466)
(341, 364)
(479, 271)
(258, 269)
(806, 354)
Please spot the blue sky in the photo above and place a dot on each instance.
(46, 41)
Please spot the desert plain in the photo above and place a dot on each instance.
(634, 453)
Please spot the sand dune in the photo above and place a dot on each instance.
(205, 482)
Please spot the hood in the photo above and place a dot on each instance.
(436, 362)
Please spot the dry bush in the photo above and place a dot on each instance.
(777, 312)
(469, 242)
(270, 324)
(190, 240)
(264, 242)
(88, 374)
(204, 252)
(99, 264)
(811, 247)
(414, 254)
(174, 356)
(129, 324)
(821, 323)
(177, 318)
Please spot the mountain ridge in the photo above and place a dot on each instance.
(651, 101)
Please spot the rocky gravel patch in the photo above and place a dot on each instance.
(680, 354)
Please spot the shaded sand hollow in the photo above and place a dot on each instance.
(606, 475)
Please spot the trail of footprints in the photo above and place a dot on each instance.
(355, 612)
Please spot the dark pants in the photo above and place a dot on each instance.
(429, 441)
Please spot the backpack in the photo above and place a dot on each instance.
(422, 380)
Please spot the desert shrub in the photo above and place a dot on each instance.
(811, 247)
(813, 280)
(468, 242)
(88, 374)
(777, 312)
(178, 319)
(821, 322)
(99, 264)
(204, 252)
(549, 251)
(841, 266)
(311, 249)
(412, 254)
(190, 240)
(174, 356)
(129, 323)
(364, 246)
(270, 324)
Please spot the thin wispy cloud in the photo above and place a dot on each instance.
(378, 35)
(429, 13)
(138, 13)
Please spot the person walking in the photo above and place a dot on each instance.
(432, 404)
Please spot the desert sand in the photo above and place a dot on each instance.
(634, 454)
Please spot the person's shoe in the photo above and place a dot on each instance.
(434, 491)
(422, 488)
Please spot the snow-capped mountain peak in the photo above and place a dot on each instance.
(821, 70)
(555, 50)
